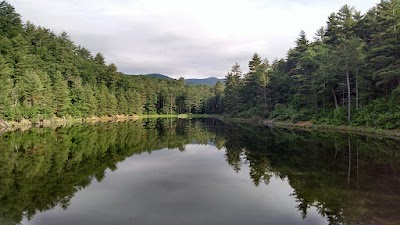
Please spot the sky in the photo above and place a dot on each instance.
(183, 38)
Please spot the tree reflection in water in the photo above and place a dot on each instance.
(350, 179)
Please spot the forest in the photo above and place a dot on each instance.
(349, 74)
(46, 75)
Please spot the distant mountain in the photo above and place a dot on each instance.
(207, 81)
(158, 75)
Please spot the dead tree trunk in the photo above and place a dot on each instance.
(357, 94)
(335, 98)
(348, 94)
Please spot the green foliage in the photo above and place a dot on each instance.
(44, 75)
(352, 62)
(231, 99)
(284, 112)
(381, 113)
(343, 77)
(62, 99)
(249, 113)
(5, 88)
(10, 21)
(384, 42)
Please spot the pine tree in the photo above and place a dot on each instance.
(122, 103)
(83, 99)
(99, 59)
(62, 99)
(102, 95)
(294, 55)
(233, 86)
(300, 67)
(252, 88)
(10, 21)
(6, 103)
(384, 57)
(30, 90)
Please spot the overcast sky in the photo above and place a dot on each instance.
(186, 38)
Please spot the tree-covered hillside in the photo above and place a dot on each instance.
(44, 74)
(349, 74)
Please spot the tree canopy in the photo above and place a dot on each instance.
(349, 74)
(45, 74)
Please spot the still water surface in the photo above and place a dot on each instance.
(196, 172)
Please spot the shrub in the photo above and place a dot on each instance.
(381, 113)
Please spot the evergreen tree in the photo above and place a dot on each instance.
(6, 88)
(30, 92)
(384, 57)
(10, 21)
(62, 99)
(102, 95)
(99, 59)
(233, 87)
(300, 67)
(122, 103)
(252, 88)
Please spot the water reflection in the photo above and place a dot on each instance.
(349, 179)
(345, 179)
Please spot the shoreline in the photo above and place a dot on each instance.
(55, 122)
(310, 127)
(365, 131)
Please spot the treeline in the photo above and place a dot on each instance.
(349, 74)
(44, 75)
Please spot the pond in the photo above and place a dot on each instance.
(202, 171)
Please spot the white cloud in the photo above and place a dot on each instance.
(183, 37)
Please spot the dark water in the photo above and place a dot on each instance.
(196, 172)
